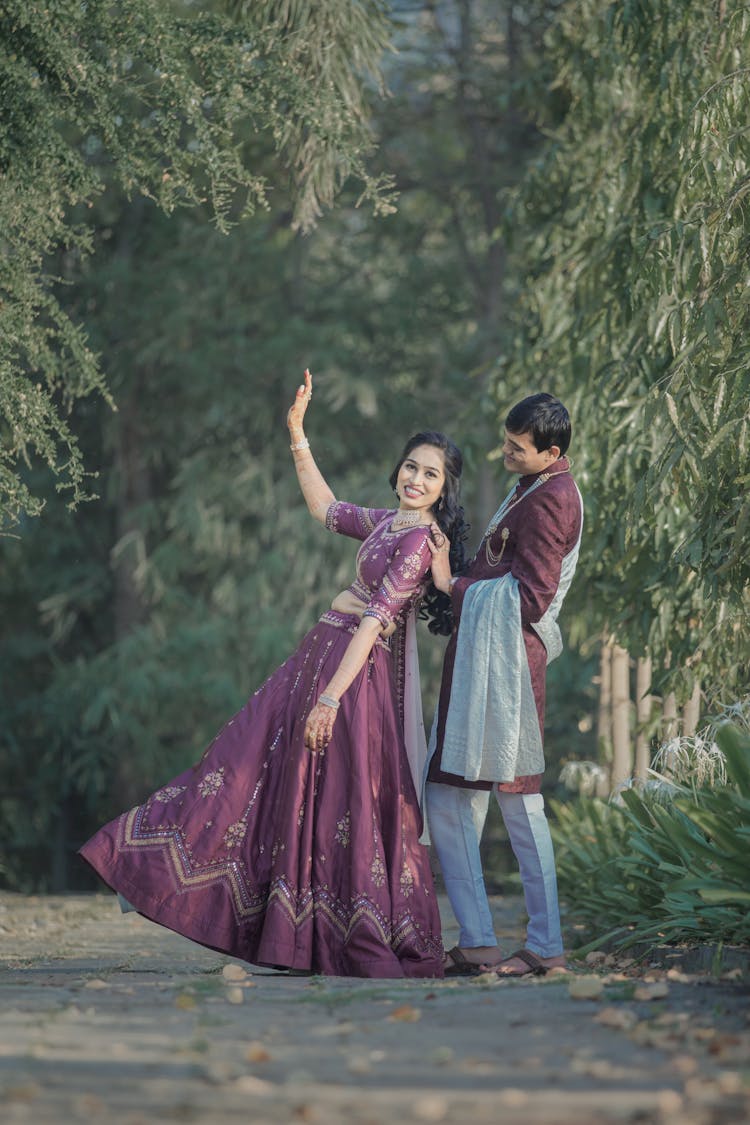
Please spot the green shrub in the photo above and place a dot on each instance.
(646, 870)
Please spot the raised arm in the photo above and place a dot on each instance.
(316, 492)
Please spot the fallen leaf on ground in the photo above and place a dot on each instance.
(656, 991)
(233, 972)
(88, 1106)
(512, 1097)
(305, 1112)
(249, 1084)
(724, 1044)
(732, 974)
(257, 1053)
(622, 1018)
(685, 1065)
(669, 1101)
(730, 1082)
(23, 1092)
(405, 1014)
(358, 1064)
(601, 1069)
(430, 1109)
(586, 988)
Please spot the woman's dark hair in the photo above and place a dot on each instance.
(545, 418)
(449, 516)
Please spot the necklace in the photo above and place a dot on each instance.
(405, 519)
(509, 502)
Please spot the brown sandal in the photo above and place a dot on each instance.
(535, 966)
(459, 966)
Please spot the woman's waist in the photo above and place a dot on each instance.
(350, 622)
(354, 598)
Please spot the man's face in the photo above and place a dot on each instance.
(520, 455)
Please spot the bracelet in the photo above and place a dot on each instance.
(451, 583)
(329, 701)
(304, 444)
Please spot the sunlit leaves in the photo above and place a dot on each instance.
(634, 232)
(160, 100)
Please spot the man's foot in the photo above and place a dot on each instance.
(469, 962)
(524, 963)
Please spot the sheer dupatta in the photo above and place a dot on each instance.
(410, 696)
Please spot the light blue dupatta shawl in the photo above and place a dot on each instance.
(492, 730)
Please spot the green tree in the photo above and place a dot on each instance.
(160, 99)
(133, 627)
(633, 239)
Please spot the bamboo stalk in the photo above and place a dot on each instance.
(604, 714)
(622, 749)
(669, 717)
(691, 712)
(643, 706)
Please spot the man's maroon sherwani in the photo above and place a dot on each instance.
(534, 535)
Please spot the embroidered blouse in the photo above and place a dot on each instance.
(392, 566)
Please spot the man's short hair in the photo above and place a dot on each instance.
(545, 418)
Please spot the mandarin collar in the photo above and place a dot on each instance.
(561, 465)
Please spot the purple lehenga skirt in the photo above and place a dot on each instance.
(282, 857)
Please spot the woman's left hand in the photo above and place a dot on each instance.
(319, 727)
(440, 550)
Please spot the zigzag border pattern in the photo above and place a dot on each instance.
(246, 906)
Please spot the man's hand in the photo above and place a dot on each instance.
(439, 547)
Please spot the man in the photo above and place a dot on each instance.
(488, 731)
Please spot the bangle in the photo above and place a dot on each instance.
(304, 444)
(451, 583)
(329, 701)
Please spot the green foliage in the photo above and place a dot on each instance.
(134, 627)
(633, 238)
(161, 99)
(655, 872)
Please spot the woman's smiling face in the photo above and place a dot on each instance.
(421, 478)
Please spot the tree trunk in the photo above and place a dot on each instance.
(604, 716)
(669, 717)
(691, 712)
(59, 852)
(622, 751)
(643, 705)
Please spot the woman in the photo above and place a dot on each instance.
(294, 841)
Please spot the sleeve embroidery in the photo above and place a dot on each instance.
(402, 583)
(350, 519)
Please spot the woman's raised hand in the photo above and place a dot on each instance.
(296, 415)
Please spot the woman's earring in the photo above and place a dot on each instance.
(439, 504)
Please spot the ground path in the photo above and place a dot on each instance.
(105, 1018)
